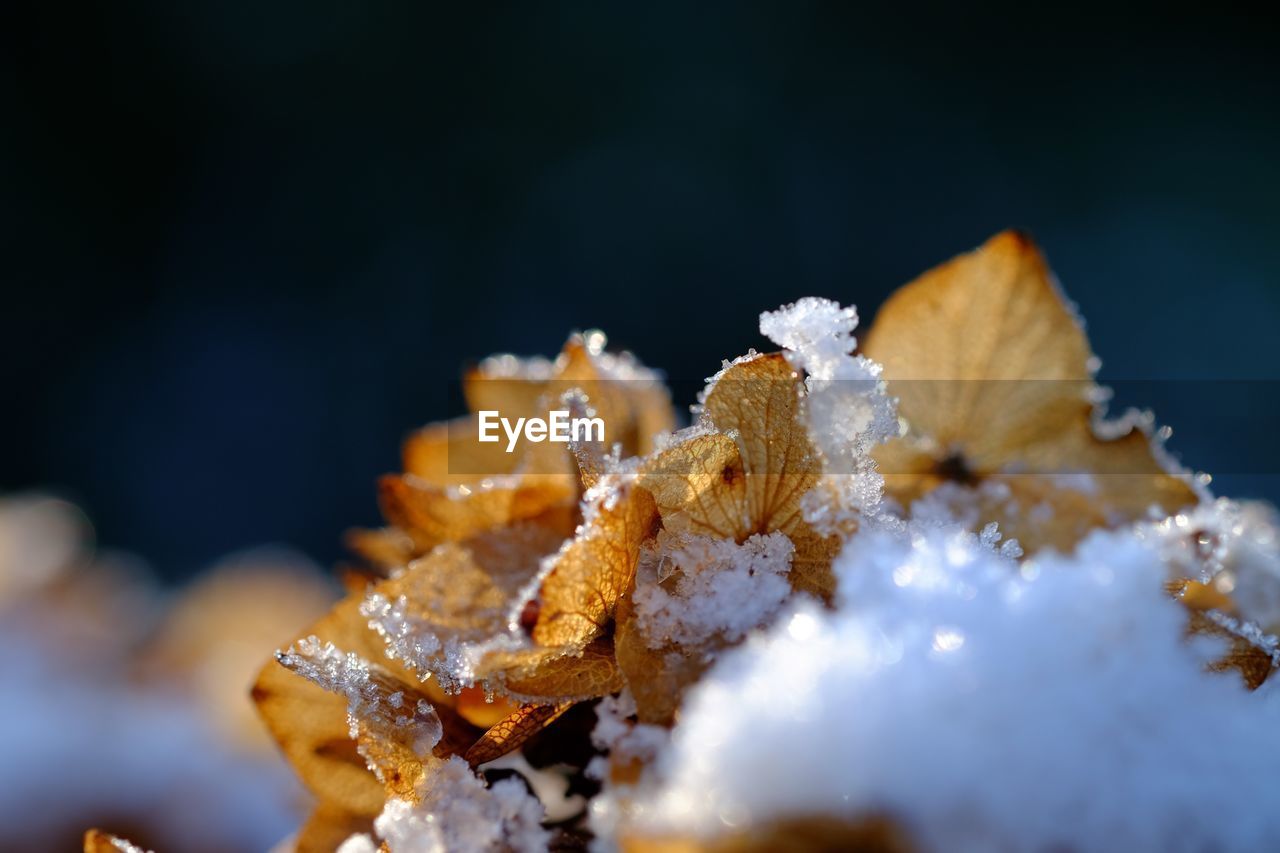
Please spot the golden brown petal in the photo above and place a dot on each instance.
(1254, 664)
(310, 724)
(383, 549)
(988, 323)
(634, 406)
(757, 402)
(658, 678)
(549, 674)
(449, 454)
(510, 734)
(327, 827)
(595, 569)
(431, 514)
(749, 475)
(481, 710)
(992, 372)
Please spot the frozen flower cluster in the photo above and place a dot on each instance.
(908, 592)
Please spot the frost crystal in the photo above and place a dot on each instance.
(817, 331)
(692, 589)
(848, 409)
(456, 812)
(450, 614)
(379, 712)
(1232, 546)
(1069, 687)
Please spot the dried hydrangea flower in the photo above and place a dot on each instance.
(747, 562)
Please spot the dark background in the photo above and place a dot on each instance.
(246, 246)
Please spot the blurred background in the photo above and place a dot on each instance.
(248, 246)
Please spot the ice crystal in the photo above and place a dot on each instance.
(691, 589)
(454, 811)
(377, 710)
(847, 408)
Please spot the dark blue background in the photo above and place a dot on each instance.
(246, 246)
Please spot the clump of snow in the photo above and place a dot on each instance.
(416, 641)
(817, 332)
(846, 404)
(454, 811)
(983, 705)
(619, 736)
(691, 589)
(549, 784)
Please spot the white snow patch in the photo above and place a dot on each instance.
(690, 589)
(978, 704)
(456, 813)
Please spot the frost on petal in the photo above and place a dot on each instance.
(443, 607)
(746, 467)
(452, 810)
(311, 723)
(395, 728)
(97, 841)
(694, 596)
(1223, 561)
(697, 588)
(459, 613)
(817, 331)
(846, 408)
(738, 476)
(583, 583)
(993, 376)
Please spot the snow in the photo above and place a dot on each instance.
(454, 811)
(847, 407)
(978, 704)
(690, 590)
(549, 784)
(622, 741)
